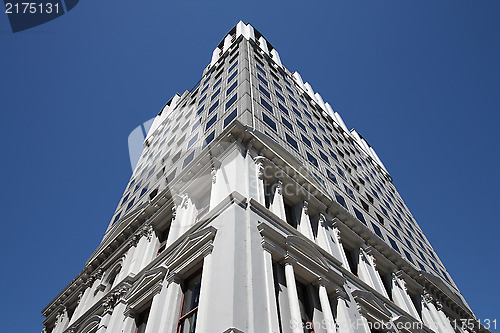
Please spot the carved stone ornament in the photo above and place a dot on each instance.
(108, 304)
(97, 274)
(439, 305)
(336, 233)
(279, 187)
(214, 175)
(174, 211)
(259, 162)
(134, 240)
(427, 296)
(340, 293)
(306, 207)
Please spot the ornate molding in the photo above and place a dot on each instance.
(279, 187)
(305, 207)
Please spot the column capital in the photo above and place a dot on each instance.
(279, 186)
(213, 172)
(305, 206)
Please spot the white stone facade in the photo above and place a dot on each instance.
(240, 233)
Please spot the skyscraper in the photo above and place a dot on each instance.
(253, 208)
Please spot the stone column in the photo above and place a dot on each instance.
(277, 204)
(367, 270)
(156, 311)
(344, 319)
(108, 305)
(129, 255)
(81, 300)
(206, 300)
(259, 179)
(151, 246)
(400, 295)
(429, 313)
(95, 281)
(304, 223)
(446, 324)
(171, 295)
(323, 238)
(326, 308)
(62, 321)
(118, 316)
(272, 308)
(185, 212)
(340, 254)
(293, 299)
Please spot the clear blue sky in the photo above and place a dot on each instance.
(420, 80)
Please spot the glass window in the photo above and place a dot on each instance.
(230, 89)
(215, 94)
(217, 83)
(209, 138)
(189, 304)
(192, 141)
(232, 76)
(393, 244)
(340, 199)
(262, 80)
(211, 122)
(301, 125)
(269, 122)
(280, 97)
(266, 105)
(377, 230)
(230, 118)
(188, 159)
(306, 140)
(331, 176)
(359, 215)
(264, 91)
(312, 159)
(287, 123)
(231, 101)
(213, 107)
(291, 141)
(324, 157)
(283, 108)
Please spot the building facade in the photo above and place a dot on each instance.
(253, 208)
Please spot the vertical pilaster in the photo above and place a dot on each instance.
(156, 311)
(62, 321)
(272, 308)
(118, 317)
(400, 295)
(429, 312)
(205, 303)
(304, 223)
(172, 293)
(344, 319)
(326, 308)
(277, 204)
(293, 299)
(340, 254)
(259, 180)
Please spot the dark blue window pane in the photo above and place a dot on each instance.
(287, 123)
(283, 108)
(359, 215)
(291, 141)
(231, 101)
(230, 118)
(211, 122)
(264, 91)
(230, 89)
(269, 121)
(312, 159)
(266, 105)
